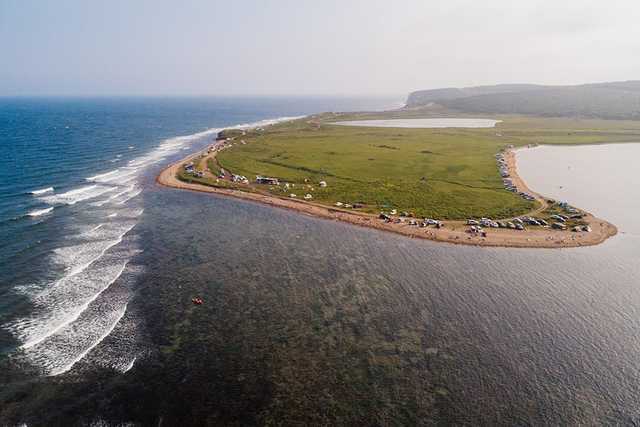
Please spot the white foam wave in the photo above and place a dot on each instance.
(39, 212)
(73, 314)
(114, 322)
(42, 191)
(74, 196)
(176, 144)
(117, 175)
(113, 196)
(131, 196)
(126, 179)
(77, 258)
(129, 214)
(57, 312)
(129, 365)
(102, 176)
(267, 122)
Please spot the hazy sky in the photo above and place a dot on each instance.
(265, 47)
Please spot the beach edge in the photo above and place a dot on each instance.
(454, 231)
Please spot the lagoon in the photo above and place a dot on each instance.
(602, 179)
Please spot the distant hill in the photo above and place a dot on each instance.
(615, 100)
(423, 97)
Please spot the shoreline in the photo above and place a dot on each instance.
(452, 232)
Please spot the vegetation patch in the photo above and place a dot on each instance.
(382, 168)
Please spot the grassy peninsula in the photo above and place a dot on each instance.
(438, 173)
(442, 184)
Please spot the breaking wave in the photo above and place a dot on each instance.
(39, 212)
(110, 320)
(77, 310)
(77, 195)
(101, 176)
(86, 277)
(42, 191)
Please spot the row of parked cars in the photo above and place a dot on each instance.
(506, 178)
(515, 224)
(476, 226)
(189, 170)
(426, 222)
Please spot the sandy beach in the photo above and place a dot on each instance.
(452, 231)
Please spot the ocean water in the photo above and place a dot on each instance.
(71, 194)
(315, 322)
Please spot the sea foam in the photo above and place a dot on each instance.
(87, 275)
(74, 196)
(42, 191)
(78, 311)
(112, 319)
(39, 212)
(102, 176)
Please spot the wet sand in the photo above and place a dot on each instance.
(452, 231)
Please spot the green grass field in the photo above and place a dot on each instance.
(439, 173)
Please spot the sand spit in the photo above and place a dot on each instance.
(451, 232)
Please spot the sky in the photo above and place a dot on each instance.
(310, 47)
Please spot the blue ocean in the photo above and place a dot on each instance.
(72, 173)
